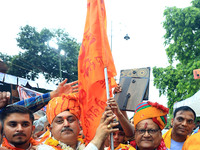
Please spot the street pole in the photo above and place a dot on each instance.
(111, 38)
(54, 45)
(60, 71)
(107, 90)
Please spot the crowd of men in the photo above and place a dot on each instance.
(23, 127)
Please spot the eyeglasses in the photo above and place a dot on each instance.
(149, 131)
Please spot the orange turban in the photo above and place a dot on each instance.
(65, 102)
(149, 110)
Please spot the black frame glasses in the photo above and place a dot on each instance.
(149, 131)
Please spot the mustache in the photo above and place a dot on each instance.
(19, 134)
(66, 129)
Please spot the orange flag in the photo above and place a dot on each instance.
(94, 56)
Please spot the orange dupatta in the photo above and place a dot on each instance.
(9, 146)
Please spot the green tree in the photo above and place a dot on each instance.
(6, 58)
(38, 57)
(182, 39)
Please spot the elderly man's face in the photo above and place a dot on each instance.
(147, 135)
(65, 128)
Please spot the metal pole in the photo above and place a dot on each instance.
(111, 38)
(108, 96)
(60, 68)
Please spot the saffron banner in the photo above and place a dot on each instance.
(94, 56)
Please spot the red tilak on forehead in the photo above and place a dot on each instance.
(145, 125)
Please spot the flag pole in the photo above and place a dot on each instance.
(108, 96)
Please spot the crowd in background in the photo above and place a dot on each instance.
(25, 126)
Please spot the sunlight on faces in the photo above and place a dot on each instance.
(65, 128)
(148, 140)
(18, 128)
(183, 123)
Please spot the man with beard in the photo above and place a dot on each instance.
(182, 126)
(18, 128)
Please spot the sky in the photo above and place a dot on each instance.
(140, 19)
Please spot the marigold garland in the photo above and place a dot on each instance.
(123, 147)
(51, 141)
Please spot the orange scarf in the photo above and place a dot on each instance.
(45, 136)
(123, 147)
(167, 138)
(9, 146)
(192, 143)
